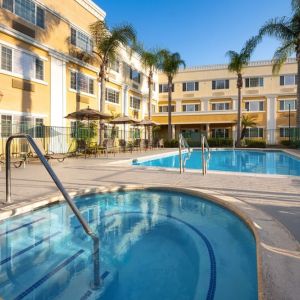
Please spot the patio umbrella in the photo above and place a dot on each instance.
(124, 120)
(88, 114)
(147, 123)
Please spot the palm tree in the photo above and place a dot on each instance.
(247, 122)
(106, 44)
(170, 64)
(287, 30)
(237, 62)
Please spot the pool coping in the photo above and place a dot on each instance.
(171, 153)
(252, 217)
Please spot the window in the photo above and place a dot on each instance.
(286, 132)
(254, 105)
(288, 80)
(81, 40)
(154, 86)
(112, 96)
(115, 65)
(135, 75)
(254, 133)
(286, 104)
(190, 107)
(82, 83)
(6, 125)
(190, 86)
(21, 63)
(39, 123)
(6, 59)
(153, 108)
(254, 82)
(164, 108)
(220, 133)
(220, 106)
(135, 103)
(163, 88)
(27, 10)
(220, 84)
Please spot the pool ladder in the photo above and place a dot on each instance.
(96, 283)
(183, 144)
(204, 149)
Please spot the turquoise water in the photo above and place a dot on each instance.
(248, 161)
(154, 245)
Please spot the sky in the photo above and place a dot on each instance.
(202, 31)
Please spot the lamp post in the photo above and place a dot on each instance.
(289, 122)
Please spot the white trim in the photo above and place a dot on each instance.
(23, 50)
(17, 113)
(87, 75)
(82, 93)
(91, 7)
(226, 112)
(23, 77)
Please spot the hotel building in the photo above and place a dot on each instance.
(44, 76)
(204, 99)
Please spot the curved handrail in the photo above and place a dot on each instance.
(183, 143)
(86, 227)
(204, 145)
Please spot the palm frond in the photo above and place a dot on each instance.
(170, 62)
(280, 28)
(296, 6)
(281, 55)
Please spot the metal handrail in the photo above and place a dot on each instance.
(96, 242)
(204, 145)
(182, 142)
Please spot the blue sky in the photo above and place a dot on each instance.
(202, 31)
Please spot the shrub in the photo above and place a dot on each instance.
(171, 144)
(255, 143)
(290, 144)
(217, 142)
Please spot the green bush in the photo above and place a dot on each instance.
(291, 143)
(171, 144)
(255, 143)
(217, 142)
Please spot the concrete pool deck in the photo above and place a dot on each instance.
(273, 200)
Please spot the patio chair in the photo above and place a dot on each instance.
(16, 160)
(109, 147)
(47, 155)
(160, 143)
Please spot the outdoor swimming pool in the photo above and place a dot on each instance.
(154, 245)
(246, 161)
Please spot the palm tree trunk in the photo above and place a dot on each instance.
(102, 102)
(239, 117)
(169, 109)
(150, 107)
(298, 93)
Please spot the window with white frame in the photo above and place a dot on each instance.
(26, 9)
(21, 63)
(135, 75)
(288, 79)
(220, 133)
(251, 82)
(164, 88)
(115, 65)
(220, 106)
(190, 86)
(254, 133)
(135, 103)
(165, 108)
(39, 123)
(286, 132)
(254, 105)
(190, 107)
(6, 125)
(82, 83)
(112, 96)
(153, 108)
(81, 40)
(285, 105)
(220, 84)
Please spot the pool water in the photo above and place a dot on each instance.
(154, 245)
(246, 161)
